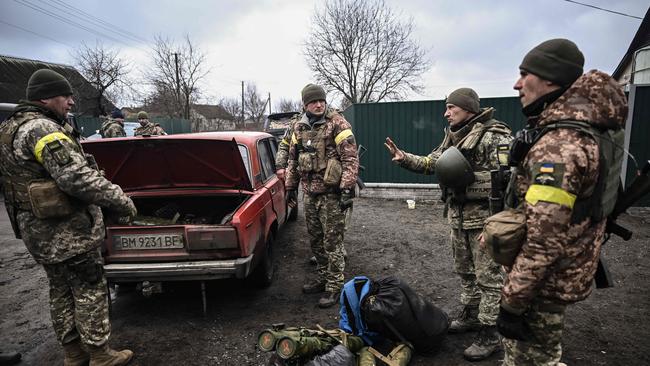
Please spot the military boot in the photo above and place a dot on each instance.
(9, 358)
(105, 356)
(313, 287)
(330, 298)
(466, 321)
(486, 343)
(74, 354)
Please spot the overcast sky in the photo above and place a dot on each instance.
(475, 43)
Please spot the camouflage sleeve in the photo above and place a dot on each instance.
(486, 151)
(421, 164)
(159, 131)
(44, 141)
(559, 167)
(292, 175)
(282, 156)
(346, 146)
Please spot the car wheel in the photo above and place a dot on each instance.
(293, 213)
(262, 276)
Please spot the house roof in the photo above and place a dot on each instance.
(640, 40)
(15, 73)
(212, 111)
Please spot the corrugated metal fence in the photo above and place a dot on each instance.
(416, 127)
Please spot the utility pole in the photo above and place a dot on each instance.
(269, 103)
(242, 103)
(178, 85)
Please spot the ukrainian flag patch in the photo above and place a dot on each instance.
(547, 168)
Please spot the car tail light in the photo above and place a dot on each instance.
(202, 238)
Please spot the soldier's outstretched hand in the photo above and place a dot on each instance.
(395, 152)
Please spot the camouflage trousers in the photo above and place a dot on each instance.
(546, 320)
(326, 226)
(78, 299)
(481, 278)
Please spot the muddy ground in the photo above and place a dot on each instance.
(610, 328)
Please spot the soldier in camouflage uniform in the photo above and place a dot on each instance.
(476, 134)
(554, 181)
(114, 126)
(52, 194)
(147, 127)
(323, 155)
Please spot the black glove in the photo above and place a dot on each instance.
(292, 198)
(346, 199)
(513, 326)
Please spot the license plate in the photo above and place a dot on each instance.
(148, 241)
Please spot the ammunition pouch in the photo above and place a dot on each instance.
(307, 162)
(333, 173)
(47, 200)
(504, 235)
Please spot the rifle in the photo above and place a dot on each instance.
(639, 187)
(360, 151)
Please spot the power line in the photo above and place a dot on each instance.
(67, 21)
(97, 21)
(603, 9)
(34, 33)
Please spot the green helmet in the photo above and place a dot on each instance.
(453, 170)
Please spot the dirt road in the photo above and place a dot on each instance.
(610, 328)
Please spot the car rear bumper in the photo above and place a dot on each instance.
(179, 271)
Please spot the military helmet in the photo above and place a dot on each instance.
(453, 170)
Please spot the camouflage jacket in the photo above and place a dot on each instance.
(478, 141)
(151, 129)
(36, 146)
(282, 156)
(333, 139)
(112, 128)
(559, 258)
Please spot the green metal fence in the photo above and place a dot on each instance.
(90, 125)
(639, 133)
(416, 127)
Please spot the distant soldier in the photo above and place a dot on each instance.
(114, 126)
(323, 155)
(147, 127)
(52, 194)
(569, 162)
(475, 136)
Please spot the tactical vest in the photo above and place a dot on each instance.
(611, 152)
(481, 187)
(311, 143)
(17, 175)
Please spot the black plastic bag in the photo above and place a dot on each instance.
(397, 312)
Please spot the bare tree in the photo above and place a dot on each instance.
(254, 104)
(176, 74)
(106, 71)
(233, 106)
(362, 50)
(288, 105)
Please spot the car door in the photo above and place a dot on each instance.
(266, 155)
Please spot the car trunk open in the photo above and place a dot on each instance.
(186, 192)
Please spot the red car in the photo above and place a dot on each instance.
(209, 205)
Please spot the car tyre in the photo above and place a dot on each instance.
(262, 276)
